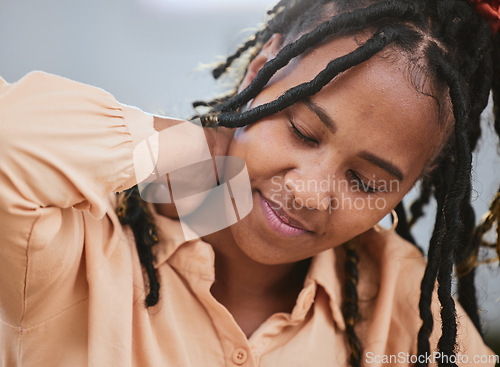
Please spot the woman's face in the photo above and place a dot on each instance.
(330, 168)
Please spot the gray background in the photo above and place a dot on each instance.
(153, 54)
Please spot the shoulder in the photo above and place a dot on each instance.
(394, 263)
(391, 272)
(36, 81)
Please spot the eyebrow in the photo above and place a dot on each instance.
(382, 163)
(330, 124)
(321, 113)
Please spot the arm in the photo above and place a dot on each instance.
(64, 147)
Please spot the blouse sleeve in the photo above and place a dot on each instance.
(63, 145)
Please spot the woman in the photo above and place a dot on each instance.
(367, 96)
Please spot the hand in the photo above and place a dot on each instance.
(181, 147)
(219, 139)
(210, 190)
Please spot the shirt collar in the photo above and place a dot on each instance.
(322, 271)
(171, 236)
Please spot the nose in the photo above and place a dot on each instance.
(312, 190)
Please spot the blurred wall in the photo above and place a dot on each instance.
(147, 52)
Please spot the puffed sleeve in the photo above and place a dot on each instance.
(64, 147)
(65, 143)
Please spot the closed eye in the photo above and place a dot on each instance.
(302, 136)
(364, 186)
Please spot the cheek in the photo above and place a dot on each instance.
(353, 212)
(261, 145)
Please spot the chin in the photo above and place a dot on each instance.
(262, 248)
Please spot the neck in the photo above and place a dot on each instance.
(241, 280)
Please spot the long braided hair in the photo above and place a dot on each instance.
(445, 40)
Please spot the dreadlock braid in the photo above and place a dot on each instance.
(468, 248)
(376, 43)
(295, 9)
(452, 206)
(403, 228)
(219, 70)
(132, 211)
(496, 83)
(350, 305)
(465, 250)
(213, 103)
(426, 288)
(431, 270)
(341, 23)
(417, 207)
(479, 75)
(491, 218)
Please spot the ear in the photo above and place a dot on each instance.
(268, 52)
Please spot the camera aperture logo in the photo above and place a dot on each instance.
(175, 166)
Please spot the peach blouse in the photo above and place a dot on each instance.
(72, 288)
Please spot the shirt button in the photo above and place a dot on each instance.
(240, 356)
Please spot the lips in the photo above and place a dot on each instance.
(280, 221)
